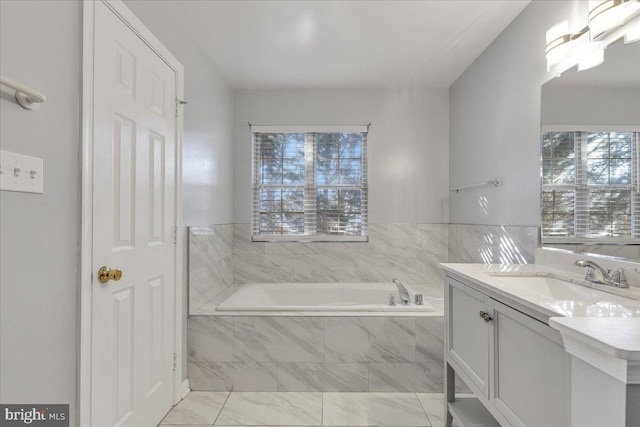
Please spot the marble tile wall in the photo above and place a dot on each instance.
(492, 244)
(564, 259)
(410, 252)
(631, 252)
(210, 263)
(221, 256)
(256, 353)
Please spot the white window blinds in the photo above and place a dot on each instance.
(309, 183)
(590, 186)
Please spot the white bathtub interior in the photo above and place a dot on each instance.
(331, 297)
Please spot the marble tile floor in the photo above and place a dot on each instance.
(297, 409)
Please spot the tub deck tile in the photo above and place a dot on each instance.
(406, 377)
(228, 376)
(347, 377)
(430, 340)
(210, 338)
(370, 339)
(278, 339)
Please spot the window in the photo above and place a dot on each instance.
(590, 186)
(309, 183)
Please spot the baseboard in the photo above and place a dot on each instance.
(185, 388)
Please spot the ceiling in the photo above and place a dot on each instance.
(360, 44)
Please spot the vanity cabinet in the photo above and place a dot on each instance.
(468, 335)
(532, 370)
(515, 365)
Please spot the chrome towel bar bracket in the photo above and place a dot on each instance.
(28, 98)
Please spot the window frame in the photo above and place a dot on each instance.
(580, 186)
(310, 185)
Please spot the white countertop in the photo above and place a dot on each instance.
(538, 287)
(602, 317)
(616, 336)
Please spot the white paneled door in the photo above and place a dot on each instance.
(134, 220)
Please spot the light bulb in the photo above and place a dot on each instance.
(592, 60)
(633, 32)
(557, 47)
(556, 32)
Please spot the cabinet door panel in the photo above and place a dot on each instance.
(532, 370)
(468, 340)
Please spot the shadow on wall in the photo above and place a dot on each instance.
(492, 244)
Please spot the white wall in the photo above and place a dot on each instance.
(408, 143)
(589, 105)
(207, 146)
(40, 45)
(495, 120)
(207, 142)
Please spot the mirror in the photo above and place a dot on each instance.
(590, 157)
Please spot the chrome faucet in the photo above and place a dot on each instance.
(402, 291)
(619, 279)
(597, 274)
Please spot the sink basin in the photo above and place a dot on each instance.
(552, 287)
(566, 298)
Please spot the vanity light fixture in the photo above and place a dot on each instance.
(592, 60)
(565, 49)
(606, 16)
(586, 53)
(558, 44)
(633, 32)
(608, 21)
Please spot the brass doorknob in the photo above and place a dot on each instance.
(105, 274)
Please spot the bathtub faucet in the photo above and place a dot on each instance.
(402, 291)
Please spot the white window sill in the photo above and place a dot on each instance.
(590, 241)
(308, 239)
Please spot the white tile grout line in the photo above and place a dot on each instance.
(423, 410)
(321, 406)
(221, 408)
(233, 341)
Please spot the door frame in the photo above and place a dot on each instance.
(180, 387)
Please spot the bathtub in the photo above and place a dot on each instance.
(320, 297)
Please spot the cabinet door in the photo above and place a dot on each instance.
(531, 384)
(468, 333)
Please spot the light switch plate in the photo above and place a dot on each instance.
(21, 173)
